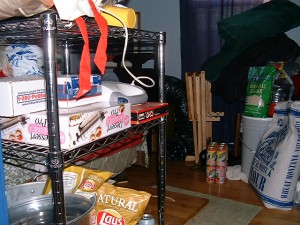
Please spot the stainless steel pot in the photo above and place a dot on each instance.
(39, 210)
(27, 205)
(24, 191)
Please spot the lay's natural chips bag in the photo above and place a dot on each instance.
(118, 205)
(79, 179)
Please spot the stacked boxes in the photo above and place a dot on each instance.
(78, 125)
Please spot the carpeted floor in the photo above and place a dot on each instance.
(220, 211)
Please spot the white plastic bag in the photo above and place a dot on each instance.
(25, 59)
(26, 8)
(276, 165)
(72, 9)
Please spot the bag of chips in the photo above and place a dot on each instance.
(118, 205)
(92, 180)
(80, 179)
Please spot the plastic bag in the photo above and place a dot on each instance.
(24, 60)
(259, 87)
(26, 8)
(72, 9)
(276, 166)
(5, 68)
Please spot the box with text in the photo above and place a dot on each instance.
(78, 126)
(148, 111)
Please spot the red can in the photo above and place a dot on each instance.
(210, 174)
(220, 174)
(222, 155)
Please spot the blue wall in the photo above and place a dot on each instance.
(163, 15)
(295, 33)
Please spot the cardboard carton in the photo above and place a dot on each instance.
(21, 95)
(148, 111)
(78, 125)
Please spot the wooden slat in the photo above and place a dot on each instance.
(191, 109)
(190, 99)
(197, 94)
(203, 112)
(208, 100)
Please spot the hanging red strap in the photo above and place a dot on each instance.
(100, 58)
(85, 65)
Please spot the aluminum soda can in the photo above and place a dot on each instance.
(211, 155)
(210, 174)
(147, 219)
(222, 155)
(220, 174)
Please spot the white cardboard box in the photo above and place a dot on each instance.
(21, 95)
(78, 126)
(27, 94)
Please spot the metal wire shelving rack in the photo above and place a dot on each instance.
(50, 32)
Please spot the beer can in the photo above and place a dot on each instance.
(211, 155)
(222, 155)
(147, 219)
(220, 174)
(210, 174)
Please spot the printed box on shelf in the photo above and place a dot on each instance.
(148, 111)
(27, 94)
(78, 125)
(68, 87)
(21, 95)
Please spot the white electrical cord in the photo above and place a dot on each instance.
(137, 79)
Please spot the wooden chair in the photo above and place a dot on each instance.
(200, 111)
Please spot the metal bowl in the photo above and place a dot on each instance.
(24, 191)
(39, 210)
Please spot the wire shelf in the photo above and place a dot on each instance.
(28, 153)
(24, 30)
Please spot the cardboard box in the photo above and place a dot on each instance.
(21, 95)
(78, 126)
(68, 87)
(27, 94)
(143, 113)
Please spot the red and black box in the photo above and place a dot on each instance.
(148, 111)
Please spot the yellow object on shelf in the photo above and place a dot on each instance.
(127, 15)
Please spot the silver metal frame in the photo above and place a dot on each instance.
(53, 31)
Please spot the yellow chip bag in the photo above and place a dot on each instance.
(73, 176)
(118, 205)
(71, 179)
(92, 180)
